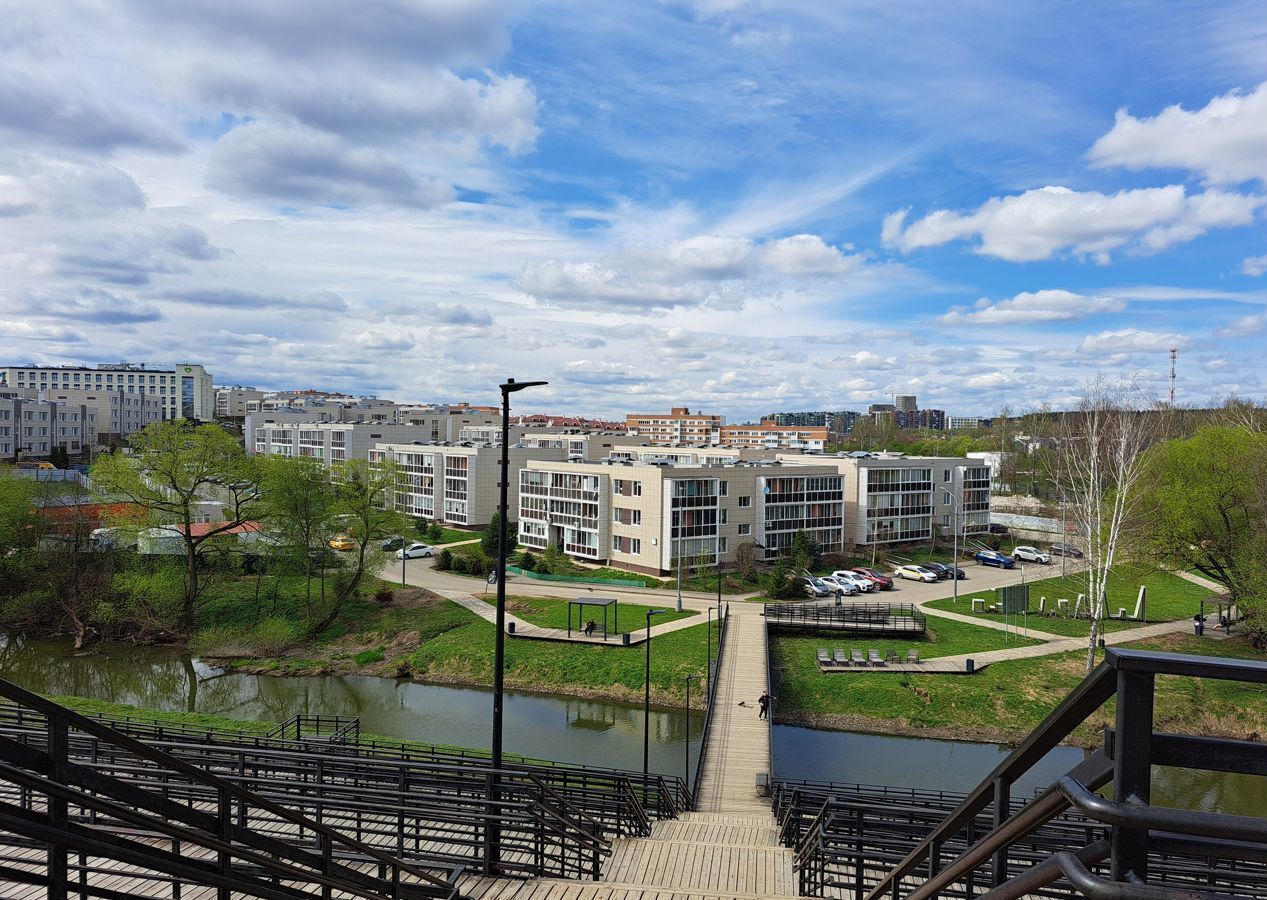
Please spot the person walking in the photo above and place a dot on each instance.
(764, 702)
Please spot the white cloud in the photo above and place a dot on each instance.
(807, 254)
(1225, 141)
(383, 339)
(1244, 326)
(1129, 340)
(1038, 306)
(1041, 223)
(1254, 265)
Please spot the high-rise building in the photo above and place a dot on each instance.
(185, 390)
(906, 402)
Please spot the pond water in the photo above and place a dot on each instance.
(548, 727)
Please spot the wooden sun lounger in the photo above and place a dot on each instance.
(874, 657)
(856, 656)
(824, 658)
(912, 655)
(841, 659)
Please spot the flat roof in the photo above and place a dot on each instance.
(594, 601)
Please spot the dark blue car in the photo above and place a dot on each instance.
(994, 558)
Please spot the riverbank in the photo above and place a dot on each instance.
(1007, 700)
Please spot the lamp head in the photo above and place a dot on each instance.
(511, 385)
(657, 612)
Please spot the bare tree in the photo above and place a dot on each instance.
(1099, 462)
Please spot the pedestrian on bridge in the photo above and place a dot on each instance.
(764, 702)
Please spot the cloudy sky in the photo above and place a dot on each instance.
(740, 206)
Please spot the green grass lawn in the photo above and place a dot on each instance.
(451, 535)
(1169, 598)
(550, 612)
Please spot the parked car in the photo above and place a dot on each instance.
(393, 543)
(1066, 550)
(915, 573)
(1031, 554)
(879, 579)
(840, 586)
(938, 569)
(996, 528)
(861, 583)
(955, 572)
(342, 542)
(416, 551)
(994, 558)
(816, 588)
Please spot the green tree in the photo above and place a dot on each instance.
(783, 583)
(490, 538)
(1203, 505)
(805, 552)
(174, 467)
(298, 507)
(364, 497)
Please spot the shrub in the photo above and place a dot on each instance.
(365, 657)
(274, 636)
(384, 596)
(527, 562)
(444, 560)
(782, 583)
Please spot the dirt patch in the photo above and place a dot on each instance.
(416, 598)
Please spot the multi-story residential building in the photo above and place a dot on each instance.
(330, 442)
(967, 423)
(678, 426)
(894, 499)
(631, 449)
(116, 413)
(798, 418)
(445, 423)
(905, 402)
(185, 390)
(804, 438)
(456, 485)
(231, 402)
(645, 516)
(34, 427)
(933, 419)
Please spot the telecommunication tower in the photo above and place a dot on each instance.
(1174, 355)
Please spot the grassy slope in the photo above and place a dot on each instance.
(1169, 598)
(550, 612)
(1008, 699)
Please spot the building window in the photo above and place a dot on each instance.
(722, 520)
(723, 489)
(721, 545)
(945, 476)
(745, 501)
(745, 528)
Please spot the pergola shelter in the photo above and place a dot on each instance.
(584, 607)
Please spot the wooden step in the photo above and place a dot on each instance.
(701, 867)
(726, 818)
(716, 833)
(555, 889)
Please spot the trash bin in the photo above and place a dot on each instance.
(510, 627)
(970, 665)
(624, 638)
(1198, 627)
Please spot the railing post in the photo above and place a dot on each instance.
(1002, 809)
(224, 858)
(1132, 770)
(934, 861)
(58, 749)
(859, 885)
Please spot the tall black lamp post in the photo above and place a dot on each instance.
(646, 701)
(492, 834)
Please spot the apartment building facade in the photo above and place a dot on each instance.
(30, 429)
(771, 436)
(184, 391)
(330, 442)
(456, 485)
(678, 426)
(116, 413)
(644, 516)
(231, 402)
(445, 423)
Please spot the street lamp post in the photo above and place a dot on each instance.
(686, 773)
(492, 834)
(708, 670)
(646, 702)
(954, 528)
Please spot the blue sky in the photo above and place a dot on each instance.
(740, 206)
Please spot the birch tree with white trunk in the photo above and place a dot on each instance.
(1100, 461)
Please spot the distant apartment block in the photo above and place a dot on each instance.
(967, 423)
(645, 516)
(678, 426)
(807, 439)
(445, 423)
(906, 402)
(929, 419)
(330, 442)
(456, 485)
(185, 390)
(116, 413)
(30, 429)
(231, 402)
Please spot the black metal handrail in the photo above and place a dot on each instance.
(1129, 674)
(723, 616)
(50, 773)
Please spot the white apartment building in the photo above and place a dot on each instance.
(770, 436)
(116, 413)
(185, 390)
(32, 428)
(330, 442)
(457, 485)
(643, 516)
(446, 422)
(678, 426)
(966, 423)
(896, 499)
(231, 402)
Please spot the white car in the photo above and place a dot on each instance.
(1031, 554)
(415, 551)
(915, 573)
(840, 585)
(862, 583)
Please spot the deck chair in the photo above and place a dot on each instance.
(824, 658)
(874, 657)
(893, 657)
(841, 659)
(856, 656)
(912, 655)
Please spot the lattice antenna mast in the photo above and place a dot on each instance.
(1174, 355)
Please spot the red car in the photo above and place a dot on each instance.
(881, 581)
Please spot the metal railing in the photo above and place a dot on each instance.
(332, 729)
(1143, 840)
(723, 616)
(860, 618)
(52, 799)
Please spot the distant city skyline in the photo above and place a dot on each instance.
(734, 206)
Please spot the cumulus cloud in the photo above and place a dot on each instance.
(1225, 141)
(131, 258)
(709, 270)
(1244, 326)
(68, 189)
(1254, 265)
(300, 165)
(591, 371)
(234, 298)
(1129, 340)
(382, 339)
(93, 305)
(30, 331)
(463, 316)
(1041, 223)
(1037, 306)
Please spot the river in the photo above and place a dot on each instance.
(560, 728)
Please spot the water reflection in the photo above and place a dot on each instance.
(565, 729)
